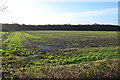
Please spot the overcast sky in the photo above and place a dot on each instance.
(60, 12)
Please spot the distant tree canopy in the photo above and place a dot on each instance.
(3, 5)
(94, 27)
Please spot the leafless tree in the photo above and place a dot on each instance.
(3, 5)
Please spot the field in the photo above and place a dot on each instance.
(60, 54)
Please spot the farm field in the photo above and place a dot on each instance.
(60, 54)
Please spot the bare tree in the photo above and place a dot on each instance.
(3, 5)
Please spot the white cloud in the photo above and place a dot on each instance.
(90, 13)
(21, 11)
(82, 17)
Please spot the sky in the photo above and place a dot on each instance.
(40, 12)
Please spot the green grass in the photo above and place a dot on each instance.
(13, 41)
(106, 34)
(100, 60)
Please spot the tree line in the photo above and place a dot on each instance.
(93, 27)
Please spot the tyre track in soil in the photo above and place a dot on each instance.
(43, 47)
(28, 44)
(63, 44)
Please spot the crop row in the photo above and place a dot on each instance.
(20, 59)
